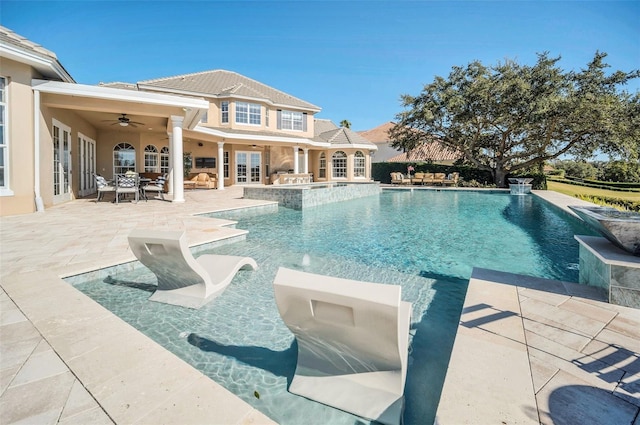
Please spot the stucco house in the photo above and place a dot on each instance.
(56, 134)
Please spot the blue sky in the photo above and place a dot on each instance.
(352, 58)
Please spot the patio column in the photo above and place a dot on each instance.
(305, 166)
(36, 148)
(295, 159)
(220, 166)
(170, 173)
(176, 150)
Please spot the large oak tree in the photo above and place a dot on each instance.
(509, 117)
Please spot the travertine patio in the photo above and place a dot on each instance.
(527, 350)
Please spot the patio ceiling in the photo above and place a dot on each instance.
(101, 106)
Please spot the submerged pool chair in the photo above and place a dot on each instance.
(182, 279)
(353, 340)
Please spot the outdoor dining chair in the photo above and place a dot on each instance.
(155, 186)
(127, 184)
(102, 186)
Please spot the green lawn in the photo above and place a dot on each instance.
(573, 190)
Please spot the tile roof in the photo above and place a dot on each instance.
(338, 135)
(221, 83)
(428, 152)
(119, 85)
(254, 133)
(47, 64)
(9, 37)
(378, 134)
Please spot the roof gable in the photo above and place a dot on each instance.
(222, 83)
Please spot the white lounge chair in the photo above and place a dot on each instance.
(182, 279)
(353, 340)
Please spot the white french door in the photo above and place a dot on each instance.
(248, 167)
(87, 162)
(61, 162)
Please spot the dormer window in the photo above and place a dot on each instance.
(248, 113)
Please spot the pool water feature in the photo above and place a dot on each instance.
(426, 241)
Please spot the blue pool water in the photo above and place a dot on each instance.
(426, 241)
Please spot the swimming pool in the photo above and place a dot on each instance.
(424, 240)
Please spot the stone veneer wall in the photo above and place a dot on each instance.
(621, 279)
(300, 197)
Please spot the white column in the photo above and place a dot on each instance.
(176, 150)
(295, 159)
(170, 173)
(36, 148)
(305, 166)
(220, 166)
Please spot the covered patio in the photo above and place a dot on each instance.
(80, 129)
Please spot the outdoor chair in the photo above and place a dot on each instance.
(182, 279)
(417, 178)
(103, 186)
(438, 178)
(127, 184)
(353, 341)
(398, 178)
(204, 180)
(428, 178)
(155, 186)
(451, 179)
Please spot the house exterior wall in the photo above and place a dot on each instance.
(214, 118)
(77, 125)
(20, 128)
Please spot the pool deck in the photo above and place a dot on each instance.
(528, 350)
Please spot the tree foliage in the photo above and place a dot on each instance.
(345, 124)
(509, 117)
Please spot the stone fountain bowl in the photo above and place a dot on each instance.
(622, 228)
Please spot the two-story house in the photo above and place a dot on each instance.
(57, 134)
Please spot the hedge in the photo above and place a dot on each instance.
(470, 176)
(601, 185)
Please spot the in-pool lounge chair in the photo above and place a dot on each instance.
(353, 340)
(182, 279)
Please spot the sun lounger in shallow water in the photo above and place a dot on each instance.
(182, 279)
(353, 340)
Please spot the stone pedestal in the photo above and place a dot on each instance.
(605, 265)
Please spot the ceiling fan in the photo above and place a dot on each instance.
(124, 121)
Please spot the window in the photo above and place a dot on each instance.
(289, 120)
(205, 162)
(150, 159)
(124, 158)
(4, 142)
(205, 117)
(225, 161)
(164, 160)
(248, 113)
(322, 169)
(224, 112)
(339, 159)
(358, 164)
(266, 117)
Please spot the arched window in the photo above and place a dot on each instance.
(339, 164)
(151, 159)
(322, 166)
(358, 164)
(164, 160)
(124, 158)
